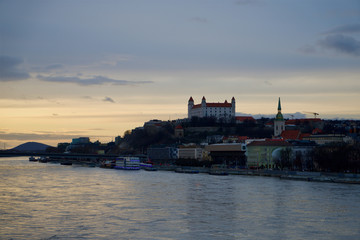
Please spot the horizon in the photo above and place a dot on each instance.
(287, 116)
(108, 67)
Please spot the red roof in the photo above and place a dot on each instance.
(191, 99)
(225, 104)
(213, 105)
(291, 134)
(178, 127)
(316, 131)
(304, 135)
(245, 118)
(197, 106)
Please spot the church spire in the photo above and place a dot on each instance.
(279, 106)
(279, 116)
(279, 123)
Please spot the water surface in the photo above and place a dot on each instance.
(51, 201)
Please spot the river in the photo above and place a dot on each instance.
(52, 201)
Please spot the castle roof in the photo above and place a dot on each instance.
(213, 105)
(225, 104)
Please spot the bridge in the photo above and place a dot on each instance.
(71, 157)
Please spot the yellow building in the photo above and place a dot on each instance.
(260, 154)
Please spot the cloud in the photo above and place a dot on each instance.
(307, 49)
(341, 43)
(345, 29)
(268, 83)
(44, 135)
(10, 69)
(34, 136)
(54, 66)
(96, 80)
(108, 99)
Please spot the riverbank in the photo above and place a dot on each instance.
(349, 178)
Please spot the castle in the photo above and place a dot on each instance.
(218, 110)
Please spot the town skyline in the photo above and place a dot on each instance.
(108, 67)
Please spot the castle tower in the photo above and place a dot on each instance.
(203, 102)
(279, 122)
(233, 107)
(203, 107)
(190, 106)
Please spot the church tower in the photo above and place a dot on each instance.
(279, 122)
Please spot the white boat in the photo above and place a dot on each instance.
(127, 163)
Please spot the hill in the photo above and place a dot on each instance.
(31, 147)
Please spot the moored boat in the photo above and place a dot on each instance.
(186, 170)
(66, 163)
(127, 163)
(32, 159)
(219, 173)
(151, 169)
(43, 160)
(107, 163)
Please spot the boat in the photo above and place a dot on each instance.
(151, 169)
(127, 163)
(43, 160)
(148, 166)
(107, 164)
(219, 173)
(32, 159)
(66, 163)
(186, 170)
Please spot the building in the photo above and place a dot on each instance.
(223, 110)
(179, 131)
(279, 122)
(77, 143)
(261, 154)
(80, 141)
(190, 153)
(228, 154)
(162, 153)
(328, 138)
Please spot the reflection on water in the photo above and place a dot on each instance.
(49, 201)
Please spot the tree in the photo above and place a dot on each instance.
(285, 158)
(337, 157)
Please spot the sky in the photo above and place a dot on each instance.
(75, 68)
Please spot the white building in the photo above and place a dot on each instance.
(218, 110)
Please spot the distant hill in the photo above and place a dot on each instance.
(31, 147)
